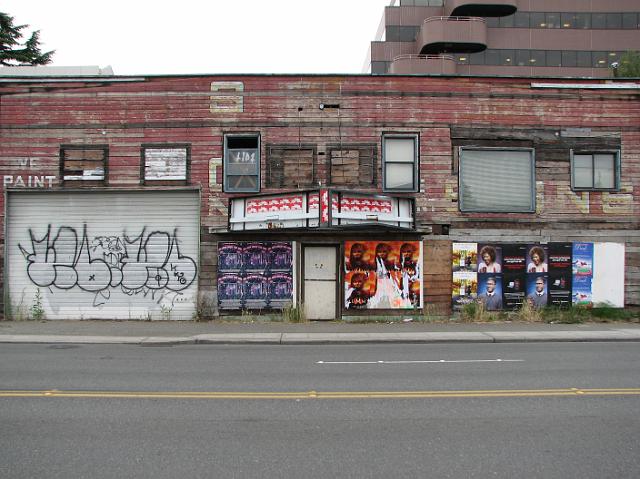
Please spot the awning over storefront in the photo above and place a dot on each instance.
(323, 208)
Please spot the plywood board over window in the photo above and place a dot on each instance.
(291, 166)
(165, 164)
(83, 165)
(352, 165)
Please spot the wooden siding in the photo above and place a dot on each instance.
(197, 111)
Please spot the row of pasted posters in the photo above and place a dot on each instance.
(382, 275)
(504, 276)
(255, 275)
(377, 275)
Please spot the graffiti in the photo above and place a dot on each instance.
(149, 264)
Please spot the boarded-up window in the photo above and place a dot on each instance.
(83, 164)
(352, 165)
(165, 163)
(497, 180)
(291, 167)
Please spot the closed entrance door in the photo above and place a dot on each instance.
(320, 288)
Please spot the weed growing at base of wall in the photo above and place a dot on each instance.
(165, 311)
(476, 312)
(294, 314)
(528, 313)
(16, 313)
(36, 310)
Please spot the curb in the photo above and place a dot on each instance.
(620, 335)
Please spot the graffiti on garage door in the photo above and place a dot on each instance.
(148, 264)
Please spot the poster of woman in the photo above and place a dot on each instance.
(383, 274)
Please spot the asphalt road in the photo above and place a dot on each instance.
(543, 410)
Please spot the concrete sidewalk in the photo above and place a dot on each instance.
(217, 332)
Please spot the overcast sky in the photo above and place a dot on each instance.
(205, 36)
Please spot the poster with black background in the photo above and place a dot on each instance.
(255, 275)
(513, 275)
(230, 291)
(560, 274)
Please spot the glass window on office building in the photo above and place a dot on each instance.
(554, 58)
(630, 20)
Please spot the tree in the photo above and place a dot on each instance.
(15, 53)
(628, 66)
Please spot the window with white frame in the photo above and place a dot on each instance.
(400, 162)
(242, 163)
(595, 170)
(497, 180)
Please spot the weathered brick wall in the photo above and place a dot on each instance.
(35, 119)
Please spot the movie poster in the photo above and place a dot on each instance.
(229, 257)
(513, 275)
(560, 274)
(383, 275)
(465, 277)
(537, 290)
(490, 291)
(489, 258)
(230, 291)
(465, 288)
(255, 257)
(255, 275)
(465, 257)
(582, 270)
(489, 266)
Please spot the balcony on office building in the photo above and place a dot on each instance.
(479, 8)
(423, 64)
(452, 34)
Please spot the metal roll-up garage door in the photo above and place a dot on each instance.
(102, 255)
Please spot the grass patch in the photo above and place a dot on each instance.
(294, 313)
(24, 312)
(604, 313)
(476, 312)
(571, 315)
(527, 313)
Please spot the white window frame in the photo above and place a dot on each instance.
(415, 137)
(616, 166)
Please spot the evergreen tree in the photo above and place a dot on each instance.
(15, 53)
(628, 66)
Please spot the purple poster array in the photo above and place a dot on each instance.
(255, 275)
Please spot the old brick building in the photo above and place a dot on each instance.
(168, 196)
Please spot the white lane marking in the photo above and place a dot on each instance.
(437, 361)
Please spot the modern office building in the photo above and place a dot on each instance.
(577, 38)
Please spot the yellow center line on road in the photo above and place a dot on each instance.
(575, 392)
